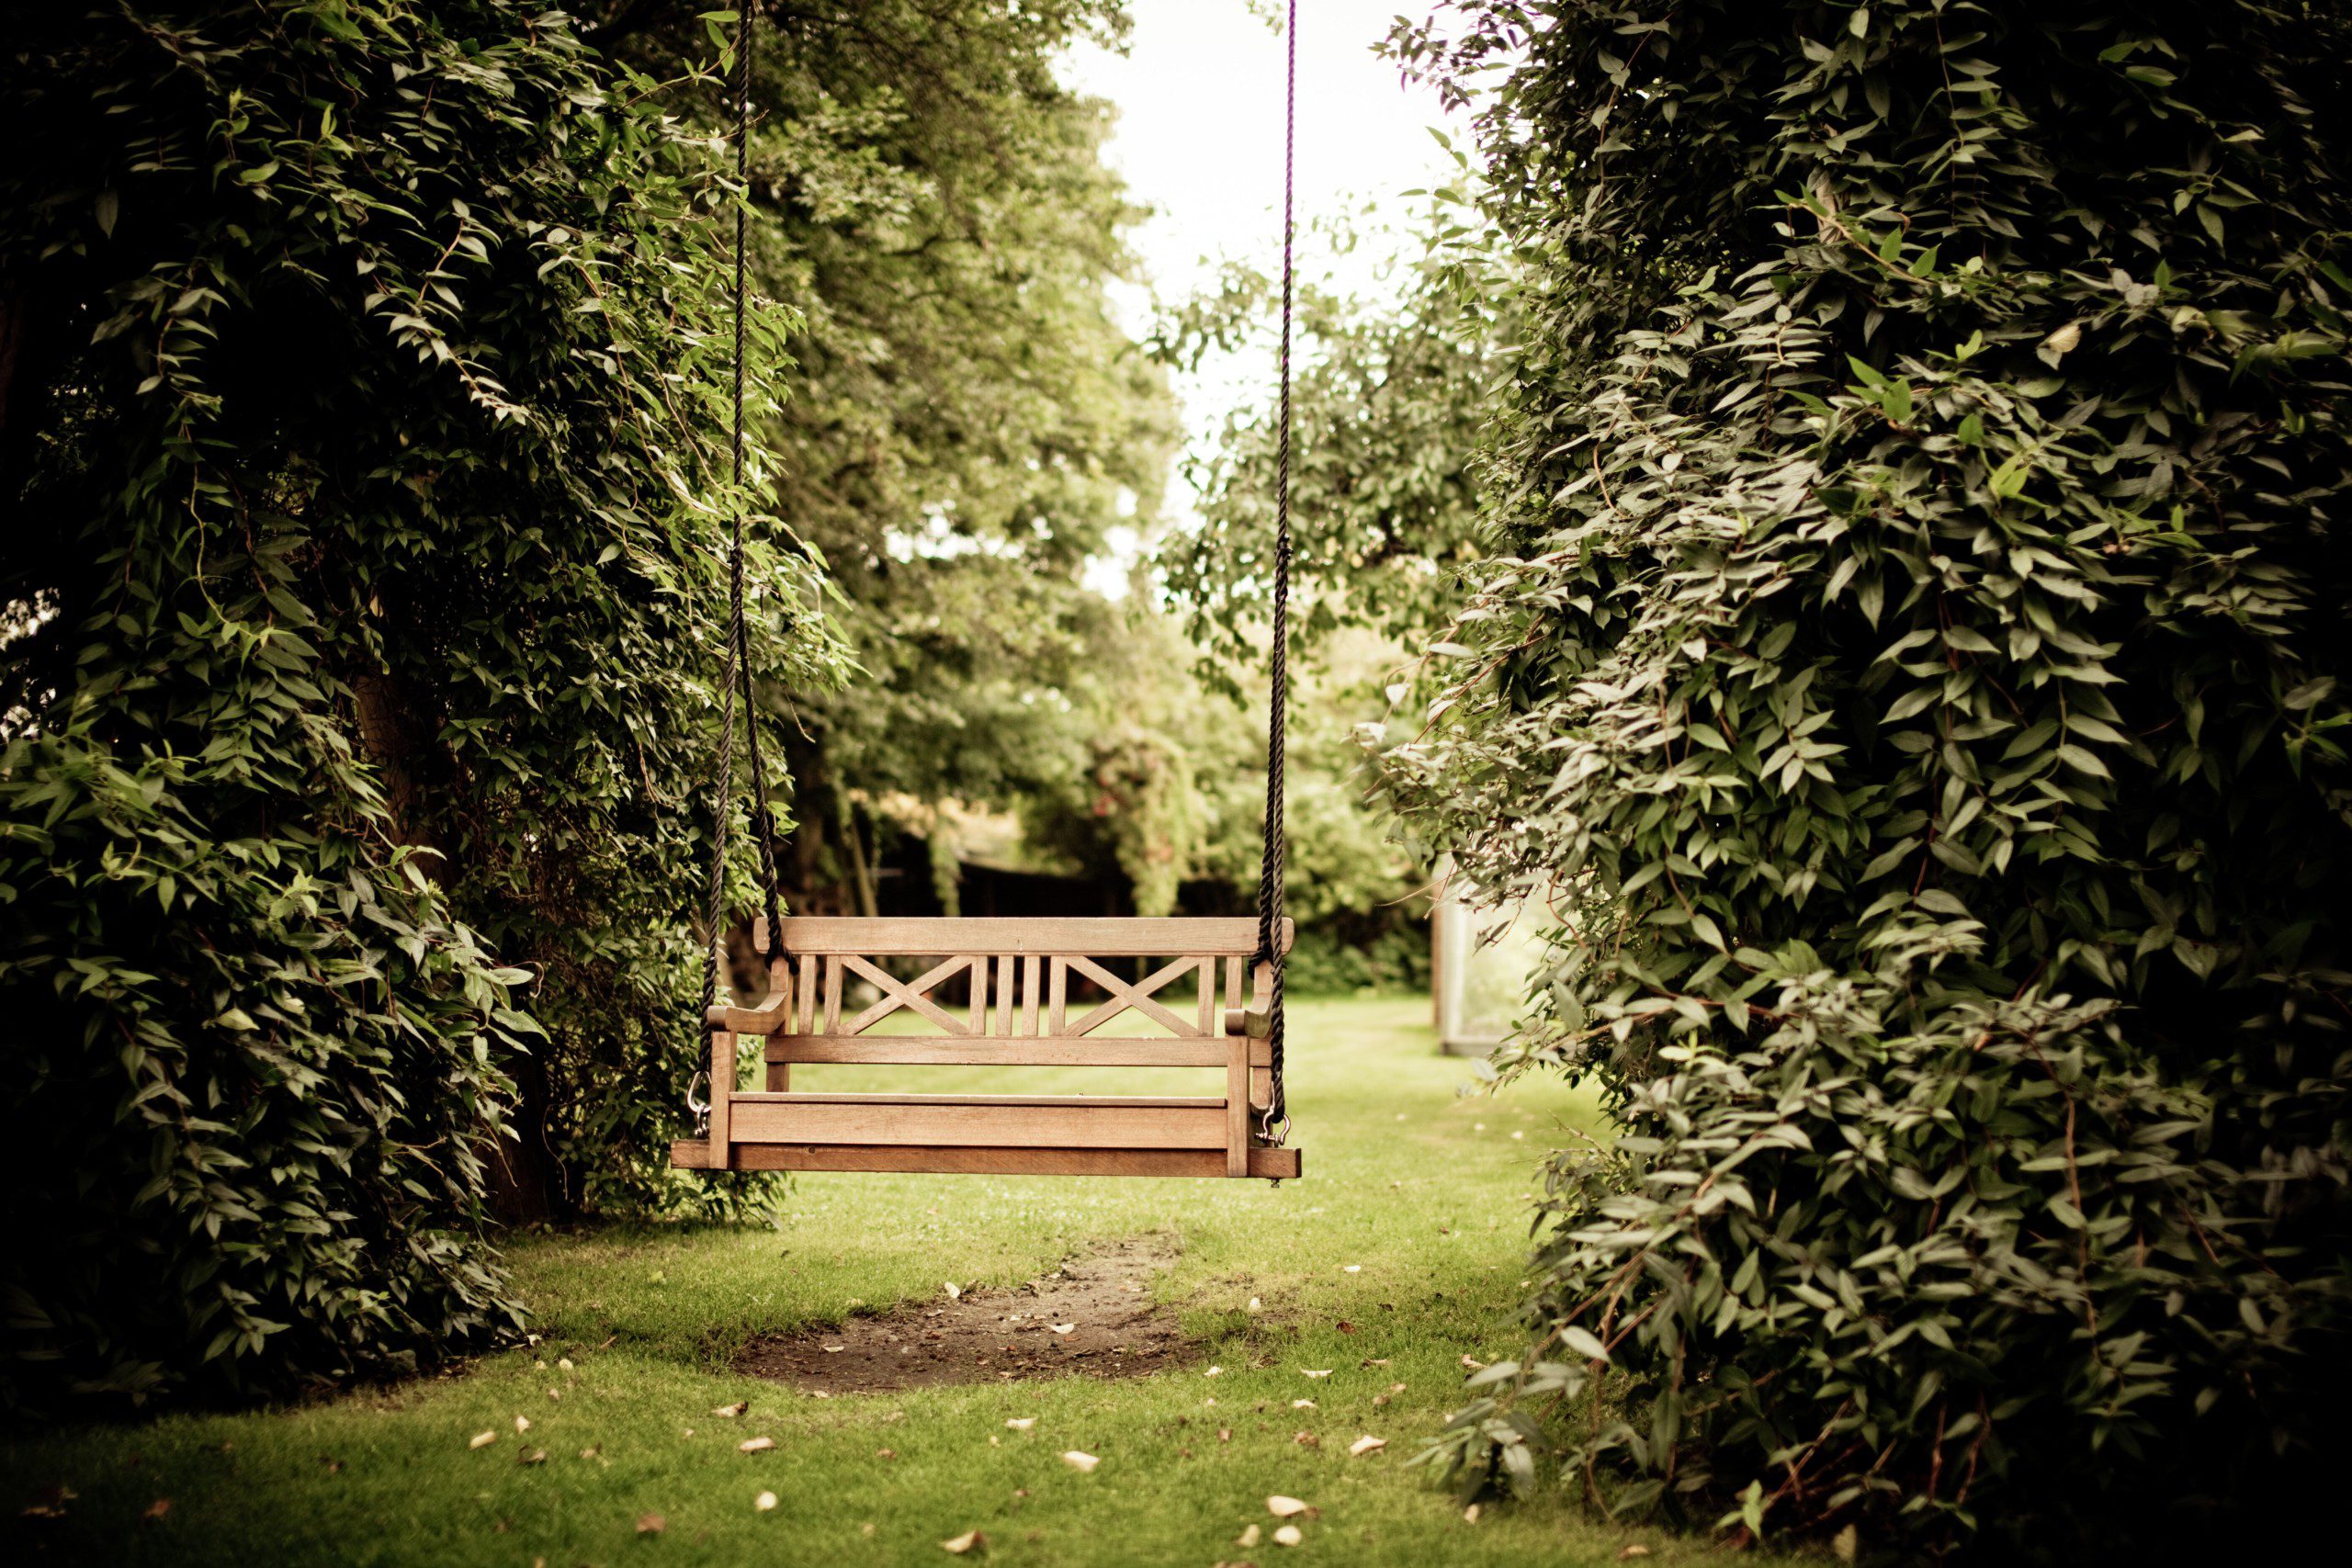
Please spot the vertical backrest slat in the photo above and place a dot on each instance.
(979, 963)
(1057, 995)
(1007, 985)
(1208, 996)
(832, 996)
(1032, 970)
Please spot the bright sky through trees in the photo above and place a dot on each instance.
(1199, 138)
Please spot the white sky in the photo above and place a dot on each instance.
(1200, 139)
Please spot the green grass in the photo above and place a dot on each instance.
(1425, 1193)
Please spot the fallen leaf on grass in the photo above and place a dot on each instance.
(1284, 1508)
(1848, 1542)
(1255, 1305)
(1308, 1441)
(1324, 1373)
(1352, 1268)
(1214, 1372)
(1225, 1434)
(532, 1456)
(1366, 1445)
(482, 1439)
(1061, 1328)
(1470, 1515)
(563, 1363)
(764, 1502)
(1083, 1463)
(1289, 1535)
(1247, 1538)
(833, 1349)
(732, 1411)
(1346, 1327)
(1472, 1362)
(970, 1540)
(652, 1524)
(954, 1292)
(156, 1509)
(522, 1423)
(1302, 1405)
(1631, 1549)
(886, 1453)
(1021, 1423)
(756, 1445)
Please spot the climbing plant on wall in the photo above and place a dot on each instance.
(1912, 656)
(361, 369)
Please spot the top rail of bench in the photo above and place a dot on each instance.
(1101, 937)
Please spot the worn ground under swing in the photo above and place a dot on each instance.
(1094, 1317)
(1402, 1252)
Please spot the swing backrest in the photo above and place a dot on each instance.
(1008, 992)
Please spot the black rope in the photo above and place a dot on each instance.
(738, 670)
(763, 817)
(1275, 1123)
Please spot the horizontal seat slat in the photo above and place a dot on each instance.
(1000, 1051)
(1042, 1101)
(1029, 1120)
(870, 936)
(1281, 1165)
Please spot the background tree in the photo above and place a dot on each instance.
(1913, 651)
(360, 447)
(970, 428)
(1390, 400)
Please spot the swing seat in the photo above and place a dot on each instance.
(1019, 978)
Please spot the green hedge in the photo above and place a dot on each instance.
(357, 457)
(1918, 631)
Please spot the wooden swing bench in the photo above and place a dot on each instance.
(1021, 1012)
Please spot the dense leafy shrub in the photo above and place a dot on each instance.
(356, 441)
(1917, 639)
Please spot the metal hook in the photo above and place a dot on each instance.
(701, 1108)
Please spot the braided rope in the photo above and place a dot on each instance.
(738, 666)
(1275, 1123)
(762, 818)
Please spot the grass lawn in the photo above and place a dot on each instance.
(1409, 1226)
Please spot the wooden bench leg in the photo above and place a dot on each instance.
(722, 1094)
(1237, 1105)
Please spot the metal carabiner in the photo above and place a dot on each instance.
(701, 1108)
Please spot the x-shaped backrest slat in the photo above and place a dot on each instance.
(896, 996)
(1138, 996)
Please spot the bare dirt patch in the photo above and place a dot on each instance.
(1092, 1317)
